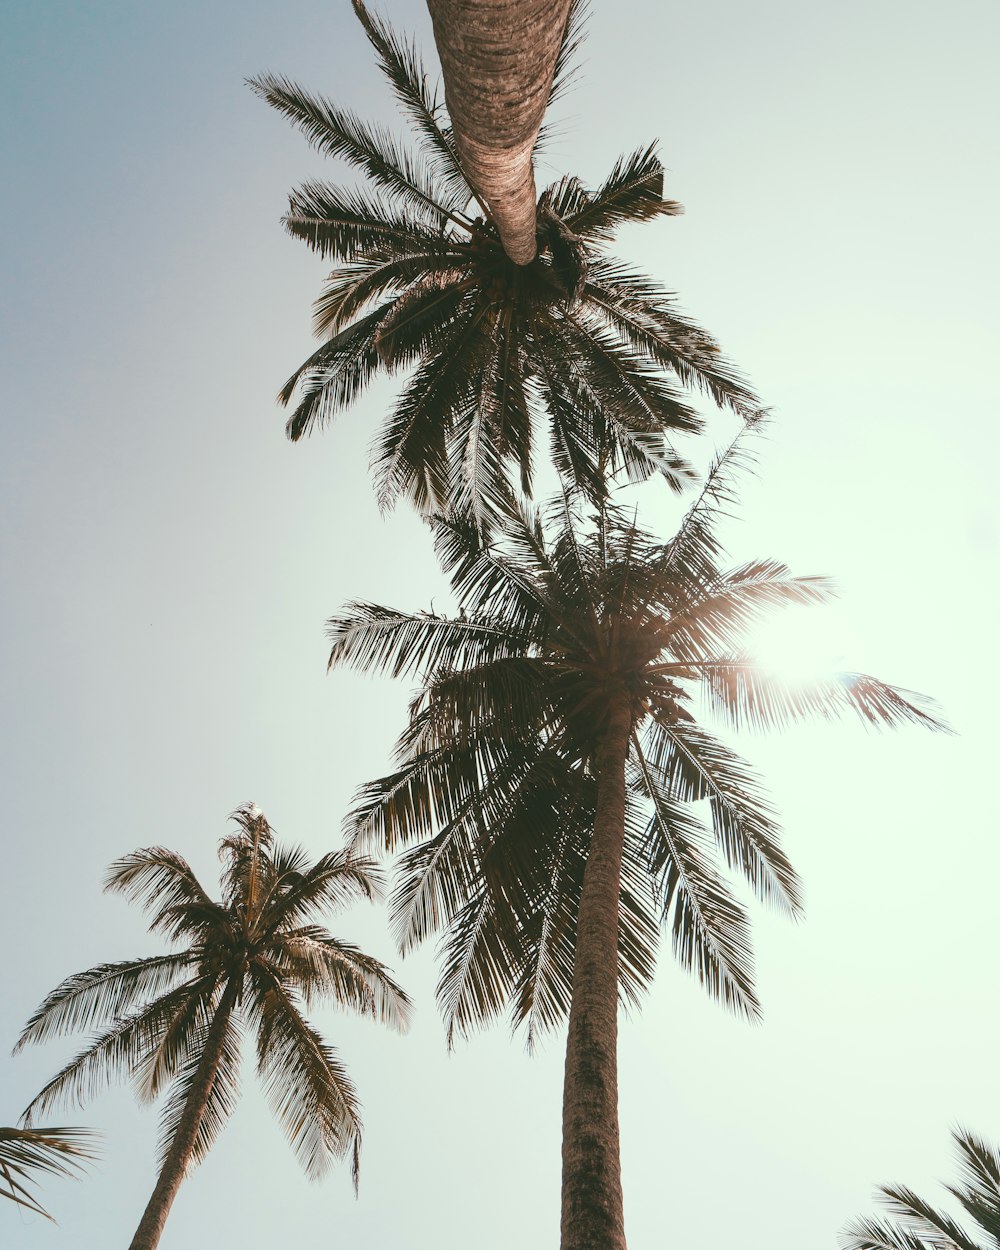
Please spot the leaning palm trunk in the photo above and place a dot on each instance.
(592, 1210)
(178, 1157)
(498, 59)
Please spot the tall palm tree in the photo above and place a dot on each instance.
(248, 963)
(547, 775)
(920, 1226)
(26, 1153)
(576, 345)
(498, 60)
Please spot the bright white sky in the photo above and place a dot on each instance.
(168, 561)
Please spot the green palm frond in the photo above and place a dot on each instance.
(29, 1153)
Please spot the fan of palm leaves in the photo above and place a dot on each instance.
(493, 800)
(577, 342)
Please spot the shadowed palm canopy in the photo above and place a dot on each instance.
(494, 797)
(917, 1225)
(257, 948)
(576, 341)
(28, 1153)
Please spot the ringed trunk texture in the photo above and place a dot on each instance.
(150, 1230)
(498, 59)
(592, 1210)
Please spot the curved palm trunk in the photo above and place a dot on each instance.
(592, 1212)
(498, 59)
(175, 1165)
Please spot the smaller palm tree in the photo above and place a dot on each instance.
(919, 1226)
(26, 1153)
(248, 963)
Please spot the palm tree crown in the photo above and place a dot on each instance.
(919, 1226)
(575, 340)
(247, 963)
(498, 766)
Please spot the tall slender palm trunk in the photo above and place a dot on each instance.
(592, 1211)
(150, 1230)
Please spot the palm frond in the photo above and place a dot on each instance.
(633, 191)
(112, 1055)
(692, 764)
(709, 929)
(401, 64)
(928, 1223)
(27, 1153)
(157, 879)
(337, 132)
(341, 223)
(334, 375)
(368, 637)
(868, 1234)
(752, 697)
(320, 966)
(306, 1085)
(105, 992)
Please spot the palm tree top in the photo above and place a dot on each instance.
(254, 956)
(567, 623)
(575, 352)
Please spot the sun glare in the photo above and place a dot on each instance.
(802, 645)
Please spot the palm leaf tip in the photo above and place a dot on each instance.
(26, 1153)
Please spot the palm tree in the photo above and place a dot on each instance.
(919, 1226)
(498, 60)
(247, 964)
(575, 343)
(28, 1152)
(547, 775)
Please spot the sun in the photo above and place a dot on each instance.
(800, 646)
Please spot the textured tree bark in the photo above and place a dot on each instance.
(498, 58)
(150, 1230)
(592, 1210)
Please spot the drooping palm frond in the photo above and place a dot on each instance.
(26, 1154)
(306, 1085)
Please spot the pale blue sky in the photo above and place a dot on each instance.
(168, 560)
